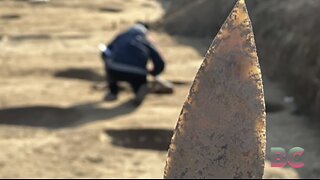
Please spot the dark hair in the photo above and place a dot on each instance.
(146, 25)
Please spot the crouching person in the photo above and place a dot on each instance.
(126, 60)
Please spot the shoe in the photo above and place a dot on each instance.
(110, 97)
(141, 94)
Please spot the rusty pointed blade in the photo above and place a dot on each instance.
(221, 128)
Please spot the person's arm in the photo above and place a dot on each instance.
(110, 46)
(158, 62)
(108, 51)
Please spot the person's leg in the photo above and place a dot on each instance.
(137, 82)
(113, 86)
(140, 88)
(141, 94)
(136, 85)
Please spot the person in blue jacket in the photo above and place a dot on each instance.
(126, 59)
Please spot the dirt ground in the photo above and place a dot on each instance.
(53, 122)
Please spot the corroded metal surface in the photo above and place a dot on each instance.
(221, 128)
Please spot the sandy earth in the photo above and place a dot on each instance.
(53, 120)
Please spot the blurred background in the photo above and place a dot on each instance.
(53, 122)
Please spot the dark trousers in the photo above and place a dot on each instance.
(135, 80)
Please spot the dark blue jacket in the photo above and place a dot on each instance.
(130, 52)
